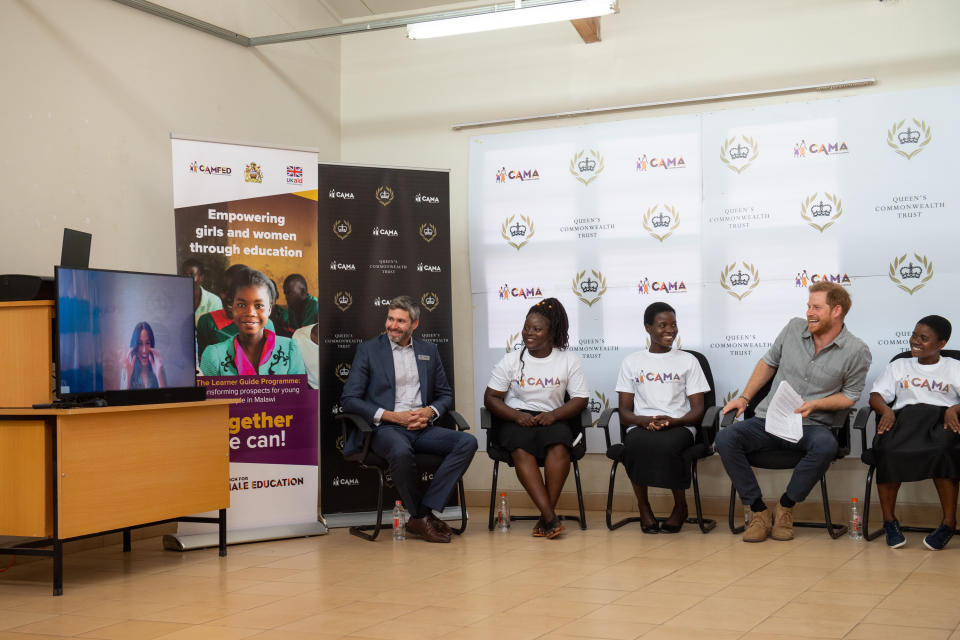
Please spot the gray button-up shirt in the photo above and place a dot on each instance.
(840, 367)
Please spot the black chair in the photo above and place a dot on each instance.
(701, 448)
(498, 454)
(426, 463)
(869, 458)
(784, 459)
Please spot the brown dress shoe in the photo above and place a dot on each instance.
(439, 524)
(759, 526)
(421, 527)
(782, 523)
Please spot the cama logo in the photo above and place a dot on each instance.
(586, 166)
(739, 283)
(342, 229)
(907, 141)
(343, 300)
(911, 276)
(381, 302)
(422, 199)
(337, 409)
(346, 482)
(661, 224)
(342, 371)
(739, 154)
(643, 164)
(820, 212)
(803, 279)
(342, 266)
(342, 195)
(589, 288)
(384, 232)
(429, 268)
(426, 477)
(517, 234)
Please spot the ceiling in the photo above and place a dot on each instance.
(354, 10)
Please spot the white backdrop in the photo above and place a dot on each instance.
(727, 216)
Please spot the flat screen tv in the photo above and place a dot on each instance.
(124, 337)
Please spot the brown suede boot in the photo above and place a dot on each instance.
(782, 523)
(759, 526)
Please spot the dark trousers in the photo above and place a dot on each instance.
(734, 443)
(399, 446)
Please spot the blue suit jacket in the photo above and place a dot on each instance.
(371, 384)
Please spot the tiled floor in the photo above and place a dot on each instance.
(509, 586)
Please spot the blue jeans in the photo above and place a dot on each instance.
(735, 442)
(399, 446)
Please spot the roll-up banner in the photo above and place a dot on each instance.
(727, 216)
(256, 206)
(383, 232)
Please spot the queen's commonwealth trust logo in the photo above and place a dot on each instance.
(739, 283)
(906, 141)
(597, 406)
(430, 300)
(343, 300)
(342, 229)
(588, 290)
(906, 274)
(384, 195)
(428, 231)
(512, 344)
(517, 234)
(738, 155)
(342, 371)
(821, 213)
(586, 166)
(661, 224)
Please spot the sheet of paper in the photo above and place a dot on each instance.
(781, 419)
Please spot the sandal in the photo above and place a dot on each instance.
(554, 528)
(538, 529)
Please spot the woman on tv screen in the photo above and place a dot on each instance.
(142, 366)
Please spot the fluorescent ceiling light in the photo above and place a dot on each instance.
(521, 14)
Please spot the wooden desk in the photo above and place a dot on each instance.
(72, 473)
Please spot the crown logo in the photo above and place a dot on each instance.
(661, 221)
(430, 300)
(384, 195)
(512, 344)
(582, 163)
(594, 406)
(747, 276)
(598, 405)
(513, 233)
(342, 229)
(897, 136)
(342, 370)
(741, 156)
(911, 271)
(832, 209)
(343, 300)
(589, 286)
(428, 232)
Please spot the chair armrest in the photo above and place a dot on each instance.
(459, 421)
(586, 419)
(727, 419)
(604, 423)
(860, 423)
(486, 419)
(359, 423)
(709, 424)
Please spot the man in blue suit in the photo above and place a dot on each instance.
(398, 384)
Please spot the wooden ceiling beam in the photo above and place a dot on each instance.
(588, 28)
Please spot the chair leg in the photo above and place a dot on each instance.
(867, 534)
(462, 501)
(835, 530)
(576, 477)
(361, 531)
(733, 503)
(706, 525)
(493, 493)
(613, 477)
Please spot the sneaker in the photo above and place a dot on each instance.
(759, 526)
(782, 523)
(939, 538)
(895, 538)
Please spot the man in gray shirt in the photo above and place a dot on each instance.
(827, 365)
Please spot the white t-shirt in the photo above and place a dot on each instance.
(543, 381)
(913, 383)
(310, 351)
(661, 382)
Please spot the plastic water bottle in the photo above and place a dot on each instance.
(399, 522)
(503, 513)
(854, 529)
(746, 516)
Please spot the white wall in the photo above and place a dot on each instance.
(91, 93)
(400, 98)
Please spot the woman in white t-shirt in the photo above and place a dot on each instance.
(526, 397)
(918, 437)
(661, 398)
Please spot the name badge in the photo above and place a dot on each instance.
(423, 356)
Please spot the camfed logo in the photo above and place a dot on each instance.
(661, 224)
(589, 288)
(739, 282)
(909, 140)
(586, 166)
(821, 212)
(739, 153)
(517, 234)
(913, 275)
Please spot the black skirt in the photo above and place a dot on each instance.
(534, 440)
(653, 458)
(917, 447)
